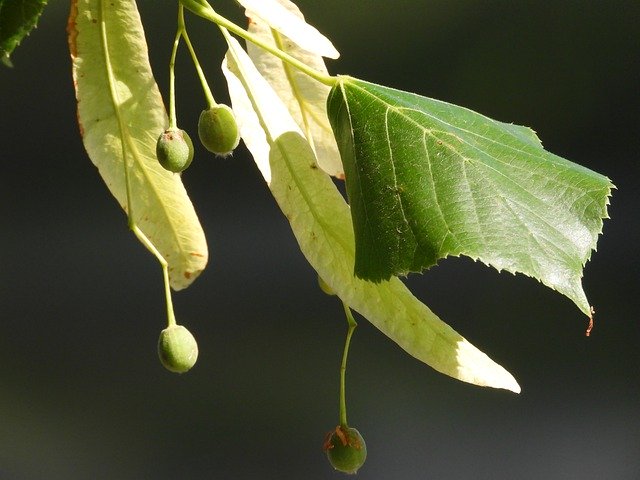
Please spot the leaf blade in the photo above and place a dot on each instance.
(121, 114)
(427, 180)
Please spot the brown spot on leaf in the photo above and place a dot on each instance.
(72, 30)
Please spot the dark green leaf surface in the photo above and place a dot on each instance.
(427, 179)
(17, 19)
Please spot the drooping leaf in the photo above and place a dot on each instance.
(279, 16)
(305, 97)
(427, 179)
(17, 19)
(321, 222)
(121, 115)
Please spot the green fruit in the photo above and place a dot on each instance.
(177, 349)
(218, 130)
(345, 449)
(174, 150)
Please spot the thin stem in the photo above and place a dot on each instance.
(171, 318)
(343, 367)
(203, 80)
(203, 9)
(173, 122)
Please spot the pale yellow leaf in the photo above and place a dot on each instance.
(121, 113)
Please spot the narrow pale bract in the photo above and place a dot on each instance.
(121, 115)
(321, 222)
(279, 16)
(305, 98)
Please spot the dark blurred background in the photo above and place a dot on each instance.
(82, 394)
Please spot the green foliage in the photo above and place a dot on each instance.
(321, 222)
(427, 179)
(17, 19)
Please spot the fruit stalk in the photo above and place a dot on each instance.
(343, 367)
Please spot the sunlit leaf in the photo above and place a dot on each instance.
(17, 19)
(281, 17)
(321, 222)
(427, 179)
(305, 97)
(120, 110)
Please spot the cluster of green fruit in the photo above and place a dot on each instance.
(177, 348)
(218, 132)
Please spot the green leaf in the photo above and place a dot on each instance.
(17, 19)
(427, 179)
(121, 115)
(305, 98)
(321, 223)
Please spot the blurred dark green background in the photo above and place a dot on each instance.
(82, 394)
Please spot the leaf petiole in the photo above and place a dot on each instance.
(343, 367)
(203, 9)
(173, 122)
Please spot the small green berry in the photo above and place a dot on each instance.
(218, 130)
(177, 349)
(345, 449)
(174, 150)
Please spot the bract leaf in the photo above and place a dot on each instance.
(305, 98)
(121, 115)
(321, 222)
(17, 19)
(280, 16)
(427, 179)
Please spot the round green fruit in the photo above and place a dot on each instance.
(174, 150)
(177, 349)
(218, 130)
(345, 449)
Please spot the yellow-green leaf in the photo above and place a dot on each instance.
(121, 115)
